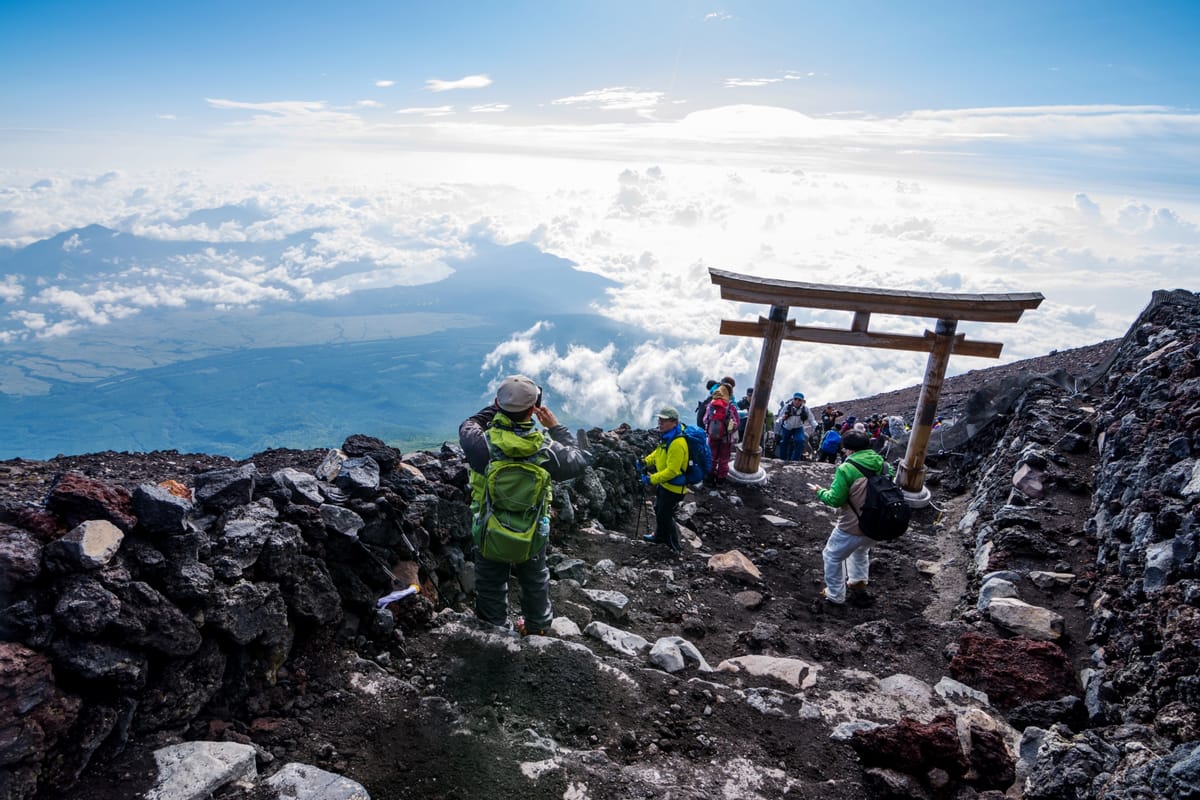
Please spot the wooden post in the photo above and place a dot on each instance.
(911, 474)
(749, 454)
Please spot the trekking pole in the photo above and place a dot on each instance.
(641, 501)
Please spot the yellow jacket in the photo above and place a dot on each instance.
(667, 463)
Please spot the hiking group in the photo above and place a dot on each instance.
(512, 467)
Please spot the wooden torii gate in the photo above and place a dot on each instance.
(947, 309)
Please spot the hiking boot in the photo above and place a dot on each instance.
(527, 630)
(650, 538)
(825, 597)
(857, 594)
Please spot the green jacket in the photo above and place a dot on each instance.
(849, 487)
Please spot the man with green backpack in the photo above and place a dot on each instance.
(512, 465)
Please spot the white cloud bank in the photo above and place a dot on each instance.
(970, 200)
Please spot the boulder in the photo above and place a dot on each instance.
(159, 510)
(88, 546)
(1013, 671)
(223, 489)
(20, 558)
(76, 498)
(736, 566)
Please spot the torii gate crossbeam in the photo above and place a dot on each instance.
(941, 343)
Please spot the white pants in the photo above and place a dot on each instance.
(845, 555)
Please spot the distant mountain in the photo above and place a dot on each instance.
(402, 362)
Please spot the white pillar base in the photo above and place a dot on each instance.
(754, 478)
(918, 499)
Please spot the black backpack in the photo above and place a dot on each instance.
(885, 514)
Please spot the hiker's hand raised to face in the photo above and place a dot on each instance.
(545, 416)
(814, 487)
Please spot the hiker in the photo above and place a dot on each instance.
(665, 467)
(847, 553)
(702, 406)
(792, 419)
(744, 412)
(831, 445)
(829, 418)
(503, 431)
(721, 423)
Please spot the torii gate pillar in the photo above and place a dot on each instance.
(910, 475)
(746, 467)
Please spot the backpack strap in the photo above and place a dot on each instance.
(862, 472)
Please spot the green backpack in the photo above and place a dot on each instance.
(511, 525)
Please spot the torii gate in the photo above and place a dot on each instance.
(947, 309)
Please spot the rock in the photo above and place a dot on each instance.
(88, 546)
(993, 589)
(76, 498)
(1045, 714)
(341, 520)
(1023, 619)
(1074, 443)
(246, 611)
(912, 747)
(159, 510)
(673, 652)
(959, 693)
(751, 601)
(195, 770)
(1048, 580)
(301, 782)
(778, 522)
(564, 628)
(304, 487)
(222, 489)
(734, 565)
(1013, 671)
(614, 603)
(573, 568)
(84, 606)
(1029, 481)
(623, 642)
(20, 558)
(114, 667)
(355, 476)
(359, 446)
(241, 538)
(148, 619)
(792, 671)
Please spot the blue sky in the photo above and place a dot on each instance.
(75, 64)
(940, 146)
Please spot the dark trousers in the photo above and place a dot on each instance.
(665, 530)
(491, 590)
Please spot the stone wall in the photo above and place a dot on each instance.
(129, 612)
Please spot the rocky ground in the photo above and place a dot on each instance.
(977, 670)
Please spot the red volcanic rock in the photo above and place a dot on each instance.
(1013, 671)
(912, 747)
(76, 498)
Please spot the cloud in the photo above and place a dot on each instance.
(468, 82)
(732, 83)
(489, 108)
(369, 104)
(614, 99)
(167, 116)
(427, 111)
(385, 84)
(292, 115)
(718, 16)
(11, 289)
